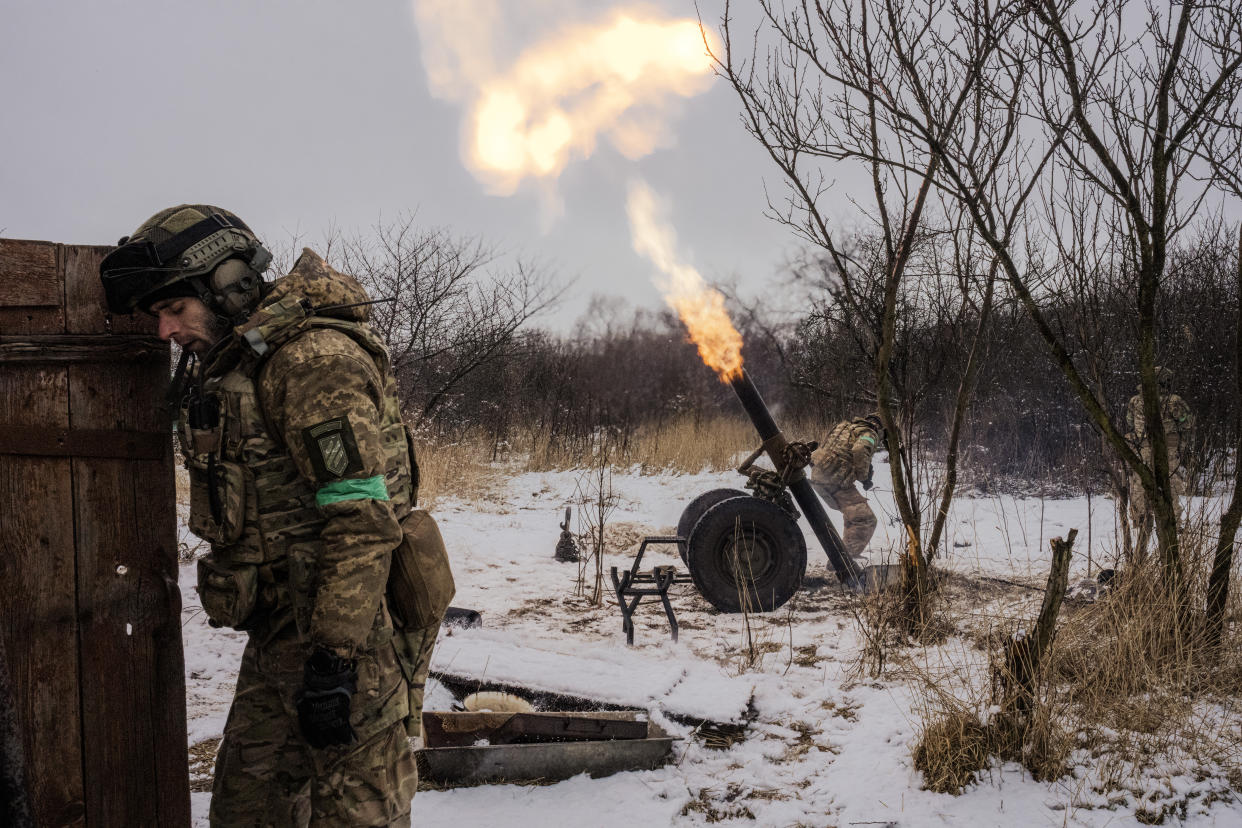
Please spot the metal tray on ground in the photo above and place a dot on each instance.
(490, 748)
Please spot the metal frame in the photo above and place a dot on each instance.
(632, 585)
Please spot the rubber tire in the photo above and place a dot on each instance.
(778, 557)
(691, 514)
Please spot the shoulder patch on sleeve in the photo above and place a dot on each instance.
(332, 448)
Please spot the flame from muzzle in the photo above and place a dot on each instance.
(700, 307)
(554, 100)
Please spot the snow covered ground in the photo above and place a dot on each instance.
(824, 746)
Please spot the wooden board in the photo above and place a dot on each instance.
(88, 548)
(85, 310)
(126, 564)
(38, 616)
(32, 291)
(445, 760)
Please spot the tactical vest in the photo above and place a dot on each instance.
(250, 502)
(833, 462)
(1175, 414)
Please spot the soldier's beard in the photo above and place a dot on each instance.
(214, 330)
(218, 328)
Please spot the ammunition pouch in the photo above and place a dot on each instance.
(217, 501)
(229, 591)
(420, 581)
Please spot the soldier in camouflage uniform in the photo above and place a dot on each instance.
(301, 472)
(1178, 422)
(843, 460)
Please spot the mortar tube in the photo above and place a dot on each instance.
(774, 443)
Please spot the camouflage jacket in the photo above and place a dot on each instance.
(1174, 412)
(301, 486)
(845, 456)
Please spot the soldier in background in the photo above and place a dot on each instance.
(843, 460)
(301, 475)
(1178, 422)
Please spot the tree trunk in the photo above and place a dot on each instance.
(964, 391)
(914, 567)
(1222, 561)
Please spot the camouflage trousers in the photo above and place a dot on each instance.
(1142, 518)
(266, 775)
(858, 518)
(414, 652)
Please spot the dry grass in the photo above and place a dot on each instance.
(1129, 689)
(953, 747)
(689, 445)
(715, 805)
(202, 764)
(460, 468)
(961, 732)
(465, 467)
(685, 444)
(1142, 688)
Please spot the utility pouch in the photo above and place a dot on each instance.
(420, 581)
(228, 591)
(204, 440)
(203, 419)
(217, 501)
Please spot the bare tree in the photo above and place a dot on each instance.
(829, 83)
(1133, 106)
(1134, 103)
(454, 307)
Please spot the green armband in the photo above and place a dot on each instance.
(370, 488)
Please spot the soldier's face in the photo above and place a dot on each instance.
(188, 322)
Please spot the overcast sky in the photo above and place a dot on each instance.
(302, 115)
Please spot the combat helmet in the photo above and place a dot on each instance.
(189, 250)
(873, 420)
(1164, 379)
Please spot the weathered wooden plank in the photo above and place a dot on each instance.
(38, 616)
(26, 278)
(127, 602)
(32, 280)
(37, 441)
(52, 348)
(15, 808)
(92, 634)
(85, 310)
(154, 484)
(114, 639)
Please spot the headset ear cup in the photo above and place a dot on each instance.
(231, 283)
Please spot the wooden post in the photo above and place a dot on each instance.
(90, 619)
(1023, 654)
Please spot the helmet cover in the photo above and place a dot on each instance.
(168, 253)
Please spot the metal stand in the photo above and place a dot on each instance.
(632, 585)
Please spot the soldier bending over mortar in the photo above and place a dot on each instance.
(843, 460)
